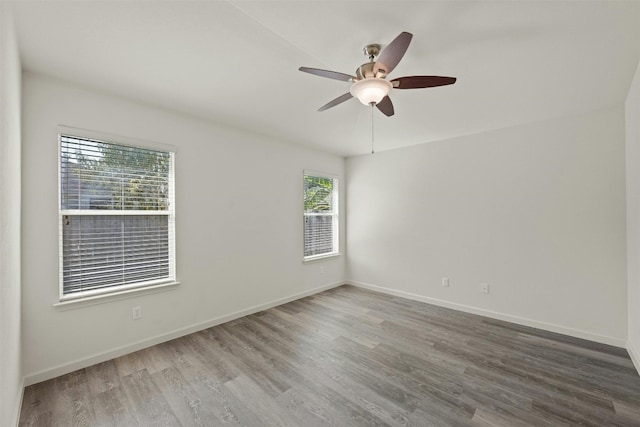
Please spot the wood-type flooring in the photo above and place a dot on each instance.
(350, 357)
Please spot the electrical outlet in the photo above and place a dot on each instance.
(137, 312)
(484, 288)
(322, 269)
(445, 282)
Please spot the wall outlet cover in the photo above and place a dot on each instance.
(137, 312)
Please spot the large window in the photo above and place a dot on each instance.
(320, 215)
(116, 217)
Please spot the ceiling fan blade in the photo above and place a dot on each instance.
(328, 74)
(392, 54)
(418, 82)
(339, 100)
(386, 106)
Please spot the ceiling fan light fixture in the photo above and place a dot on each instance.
(371, 90)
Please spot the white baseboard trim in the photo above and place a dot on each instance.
(495, 315)
(129, 348)
(634, 354)
(18, 408)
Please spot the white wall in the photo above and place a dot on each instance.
(238, 224)
(632, 125)
(537, 211)
(10, 347)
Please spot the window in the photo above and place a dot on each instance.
(116, 217)
(320, 216)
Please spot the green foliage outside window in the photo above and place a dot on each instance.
(318, 194)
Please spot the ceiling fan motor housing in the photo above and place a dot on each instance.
(368, 70)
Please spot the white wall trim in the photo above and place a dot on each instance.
(495, 315)
(129, 348)
(18, 409)
(634, 354)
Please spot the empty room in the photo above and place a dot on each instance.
(310, 213)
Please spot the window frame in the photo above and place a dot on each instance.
(117, 290)
(335, 215)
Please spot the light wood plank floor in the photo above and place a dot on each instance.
(350, 357)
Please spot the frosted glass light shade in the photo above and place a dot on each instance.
(370, 90)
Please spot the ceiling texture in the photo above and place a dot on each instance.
(236, 62)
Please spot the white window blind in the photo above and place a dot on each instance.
(116, 217)
(320, 215)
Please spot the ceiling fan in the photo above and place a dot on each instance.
(369, 83)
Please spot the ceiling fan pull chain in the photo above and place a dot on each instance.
(372, 105)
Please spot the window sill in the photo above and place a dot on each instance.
(114, 296)
(321, 257)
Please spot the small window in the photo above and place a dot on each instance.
(320, 216)
(117, 217)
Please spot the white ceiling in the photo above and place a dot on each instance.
(236, 62)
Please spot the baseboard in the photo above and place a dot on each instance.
(634, 354)
(496, 315)
(129, 348)
(18, 408)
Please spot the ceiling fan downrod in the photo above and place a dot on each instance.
(366, 70)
